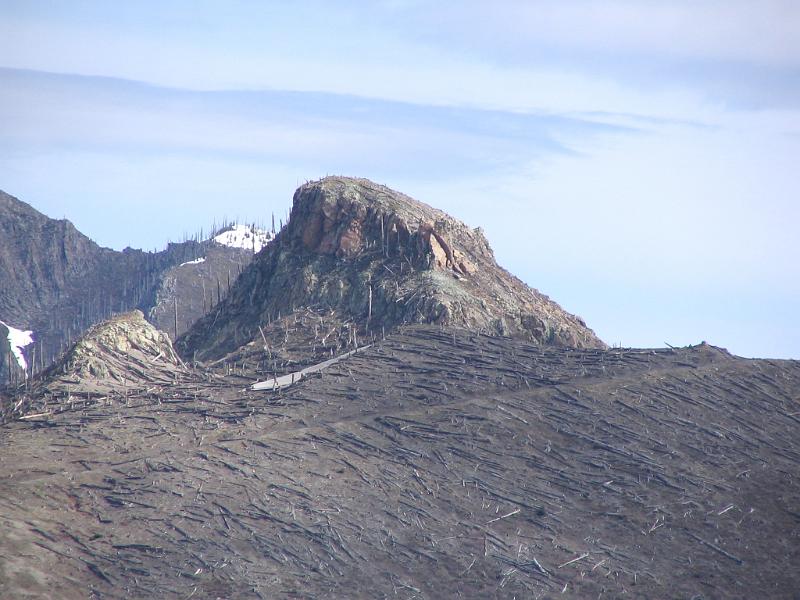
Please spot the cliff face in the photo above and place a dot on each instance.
(40, 258)
(379, 258)
(44, 264)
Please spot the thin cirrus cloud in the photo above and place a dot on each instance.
(43, 111)
(740, 31)
(735, 52)
(574, 55)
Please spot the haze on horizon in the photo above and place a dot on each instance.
(635, 161)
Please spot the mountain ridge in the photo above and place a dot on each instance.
(58, 282)
(441, 462)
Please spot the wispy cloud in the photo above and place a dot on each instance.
(736, 52)
(617, 56)
(44, 111)
(762, 33)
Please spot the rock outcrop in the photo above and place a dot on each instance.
(122, 356)
(125, 350)
(380, 258)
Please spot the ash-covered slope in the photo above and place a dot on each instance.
(435, 464)
(57, 282)
(379, 258)
(194, 287)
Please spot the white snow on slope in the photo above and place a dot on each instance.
(242, 236)
(18, 339)
(196, 261)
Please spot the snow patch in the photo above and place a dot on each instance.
(18, 339)
(243, 236)
(196, 261)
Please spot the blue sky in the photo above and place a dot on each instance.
(634, 160)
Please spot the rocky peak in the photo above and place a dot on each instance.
(379, 258)
(124, 351)
(346, 217)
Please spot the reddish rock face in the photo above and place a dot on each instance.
(312, 232)
(350, 242)
(344, 227)
(333, 226)
(356, 218)
(440, 260)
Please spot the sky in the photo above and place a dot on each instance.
(635, 160)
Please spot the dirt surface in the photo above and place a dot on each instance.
(438, 463)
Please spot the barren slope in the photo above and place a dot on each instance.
(439, 463)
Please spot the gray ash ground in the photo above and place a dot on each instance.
(439, 463)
